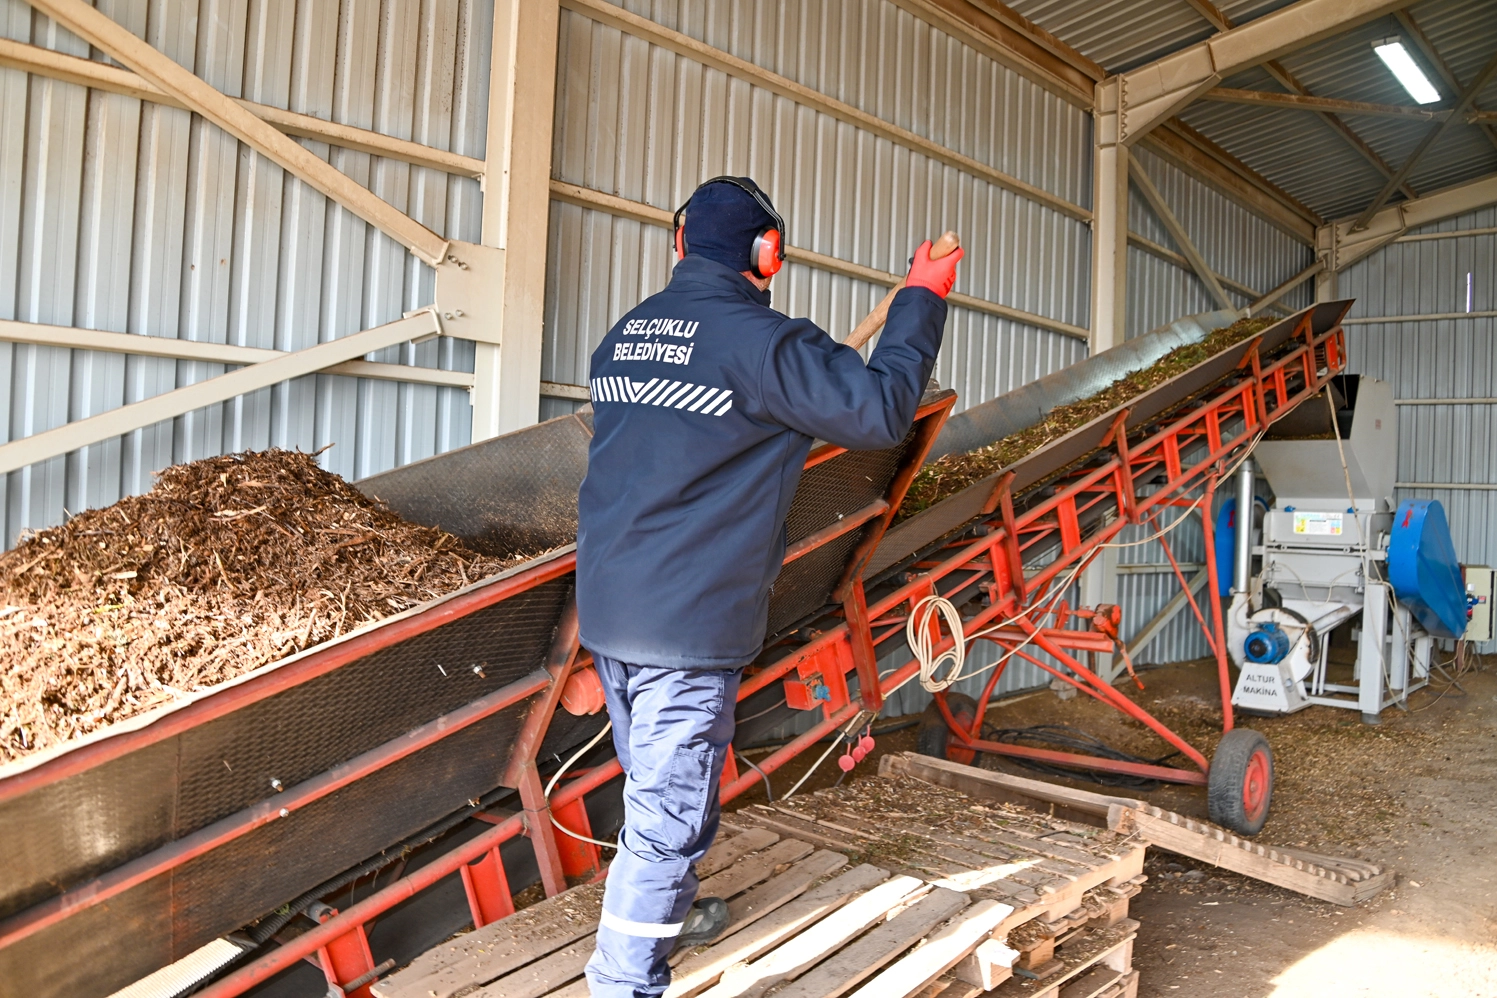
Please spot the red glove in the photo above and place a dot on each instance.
(933, 275)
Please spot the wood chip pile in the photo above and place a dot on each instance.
(227, 564)
(949, 475)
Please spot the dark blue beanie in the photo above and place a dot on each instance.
(722, 221)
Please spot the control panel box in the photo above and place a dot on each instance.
(1479, 580)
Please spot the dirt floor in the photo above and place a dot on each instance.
(1417, 793)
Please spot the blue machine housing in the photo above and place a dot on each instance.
(1268, 643)
(1423, 570)
(1226, 543)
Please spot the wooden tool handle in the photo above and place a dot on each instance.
(874, 321)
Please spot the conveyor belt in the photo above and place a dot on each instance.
(133, 794)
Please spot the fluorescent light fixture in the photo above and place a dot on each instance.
(1397, 58)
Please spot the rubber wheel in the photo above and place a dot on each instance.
(934, 738)
(1240, 784)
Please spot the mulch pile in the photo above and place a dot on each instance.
(227, 564)
(949, 475)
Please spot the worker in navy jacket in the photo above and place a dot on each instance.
(705, 405)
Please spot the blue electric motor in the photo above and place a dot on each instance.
(1423, 570)
(1267, 644)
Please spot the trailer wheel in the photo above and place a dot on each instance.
(934, 738)
(1240, 783)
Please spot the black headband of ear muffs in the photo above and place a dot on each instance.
(753, 191)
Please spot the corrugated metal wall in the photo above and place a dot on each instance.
(1236, 244)
(1452, 442)
(641, 122)
(130, 217)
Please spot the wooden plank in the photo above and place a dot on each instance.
(995, 846)
(1079, 956)
(804, 951)
(1280, 867)
(950, 987)
(844, 970)
(542, 976)
(729, 848)
(1306, 873)
(703, 968)
(1073, 805)
(499, 947)
(800, 829)
(1092, 983)
(1022, 844)
(568, 963)
(753, 868)
(727, 824)
(943, 951)
(782, 889)
(987, 966)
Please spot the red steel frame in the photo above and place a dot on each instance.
(1247, 406)
(1023, 609)
(339, 945)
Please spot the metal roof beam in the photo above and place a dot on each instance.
(1348, 246)
(1430, 138)
(1286, 79)
(1271, 299)
(1051, 43)
(99, 30)
(1213, 14)
(1305, 102)
(1016, 42)
(1153, 93)
(1341, 128)
(1440, 66)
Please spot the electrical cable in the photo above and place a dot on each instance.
(917, 634)
(1382, 660)
(856, 721)
(557, 775)
(754, 717)
(768, 792)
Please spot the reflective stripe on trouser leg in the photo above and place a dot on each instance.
(671, 728)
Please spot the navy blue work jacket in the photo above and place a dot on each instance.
(705, 405)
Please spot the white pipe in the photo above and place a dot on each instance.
(1243, 541)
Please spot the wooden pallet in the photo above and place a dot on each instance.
(823, 908)
(1342, 881)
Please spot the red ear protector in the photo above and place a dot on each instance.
(768, 251)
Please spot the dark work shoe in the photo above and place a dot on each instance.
(704, 922)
